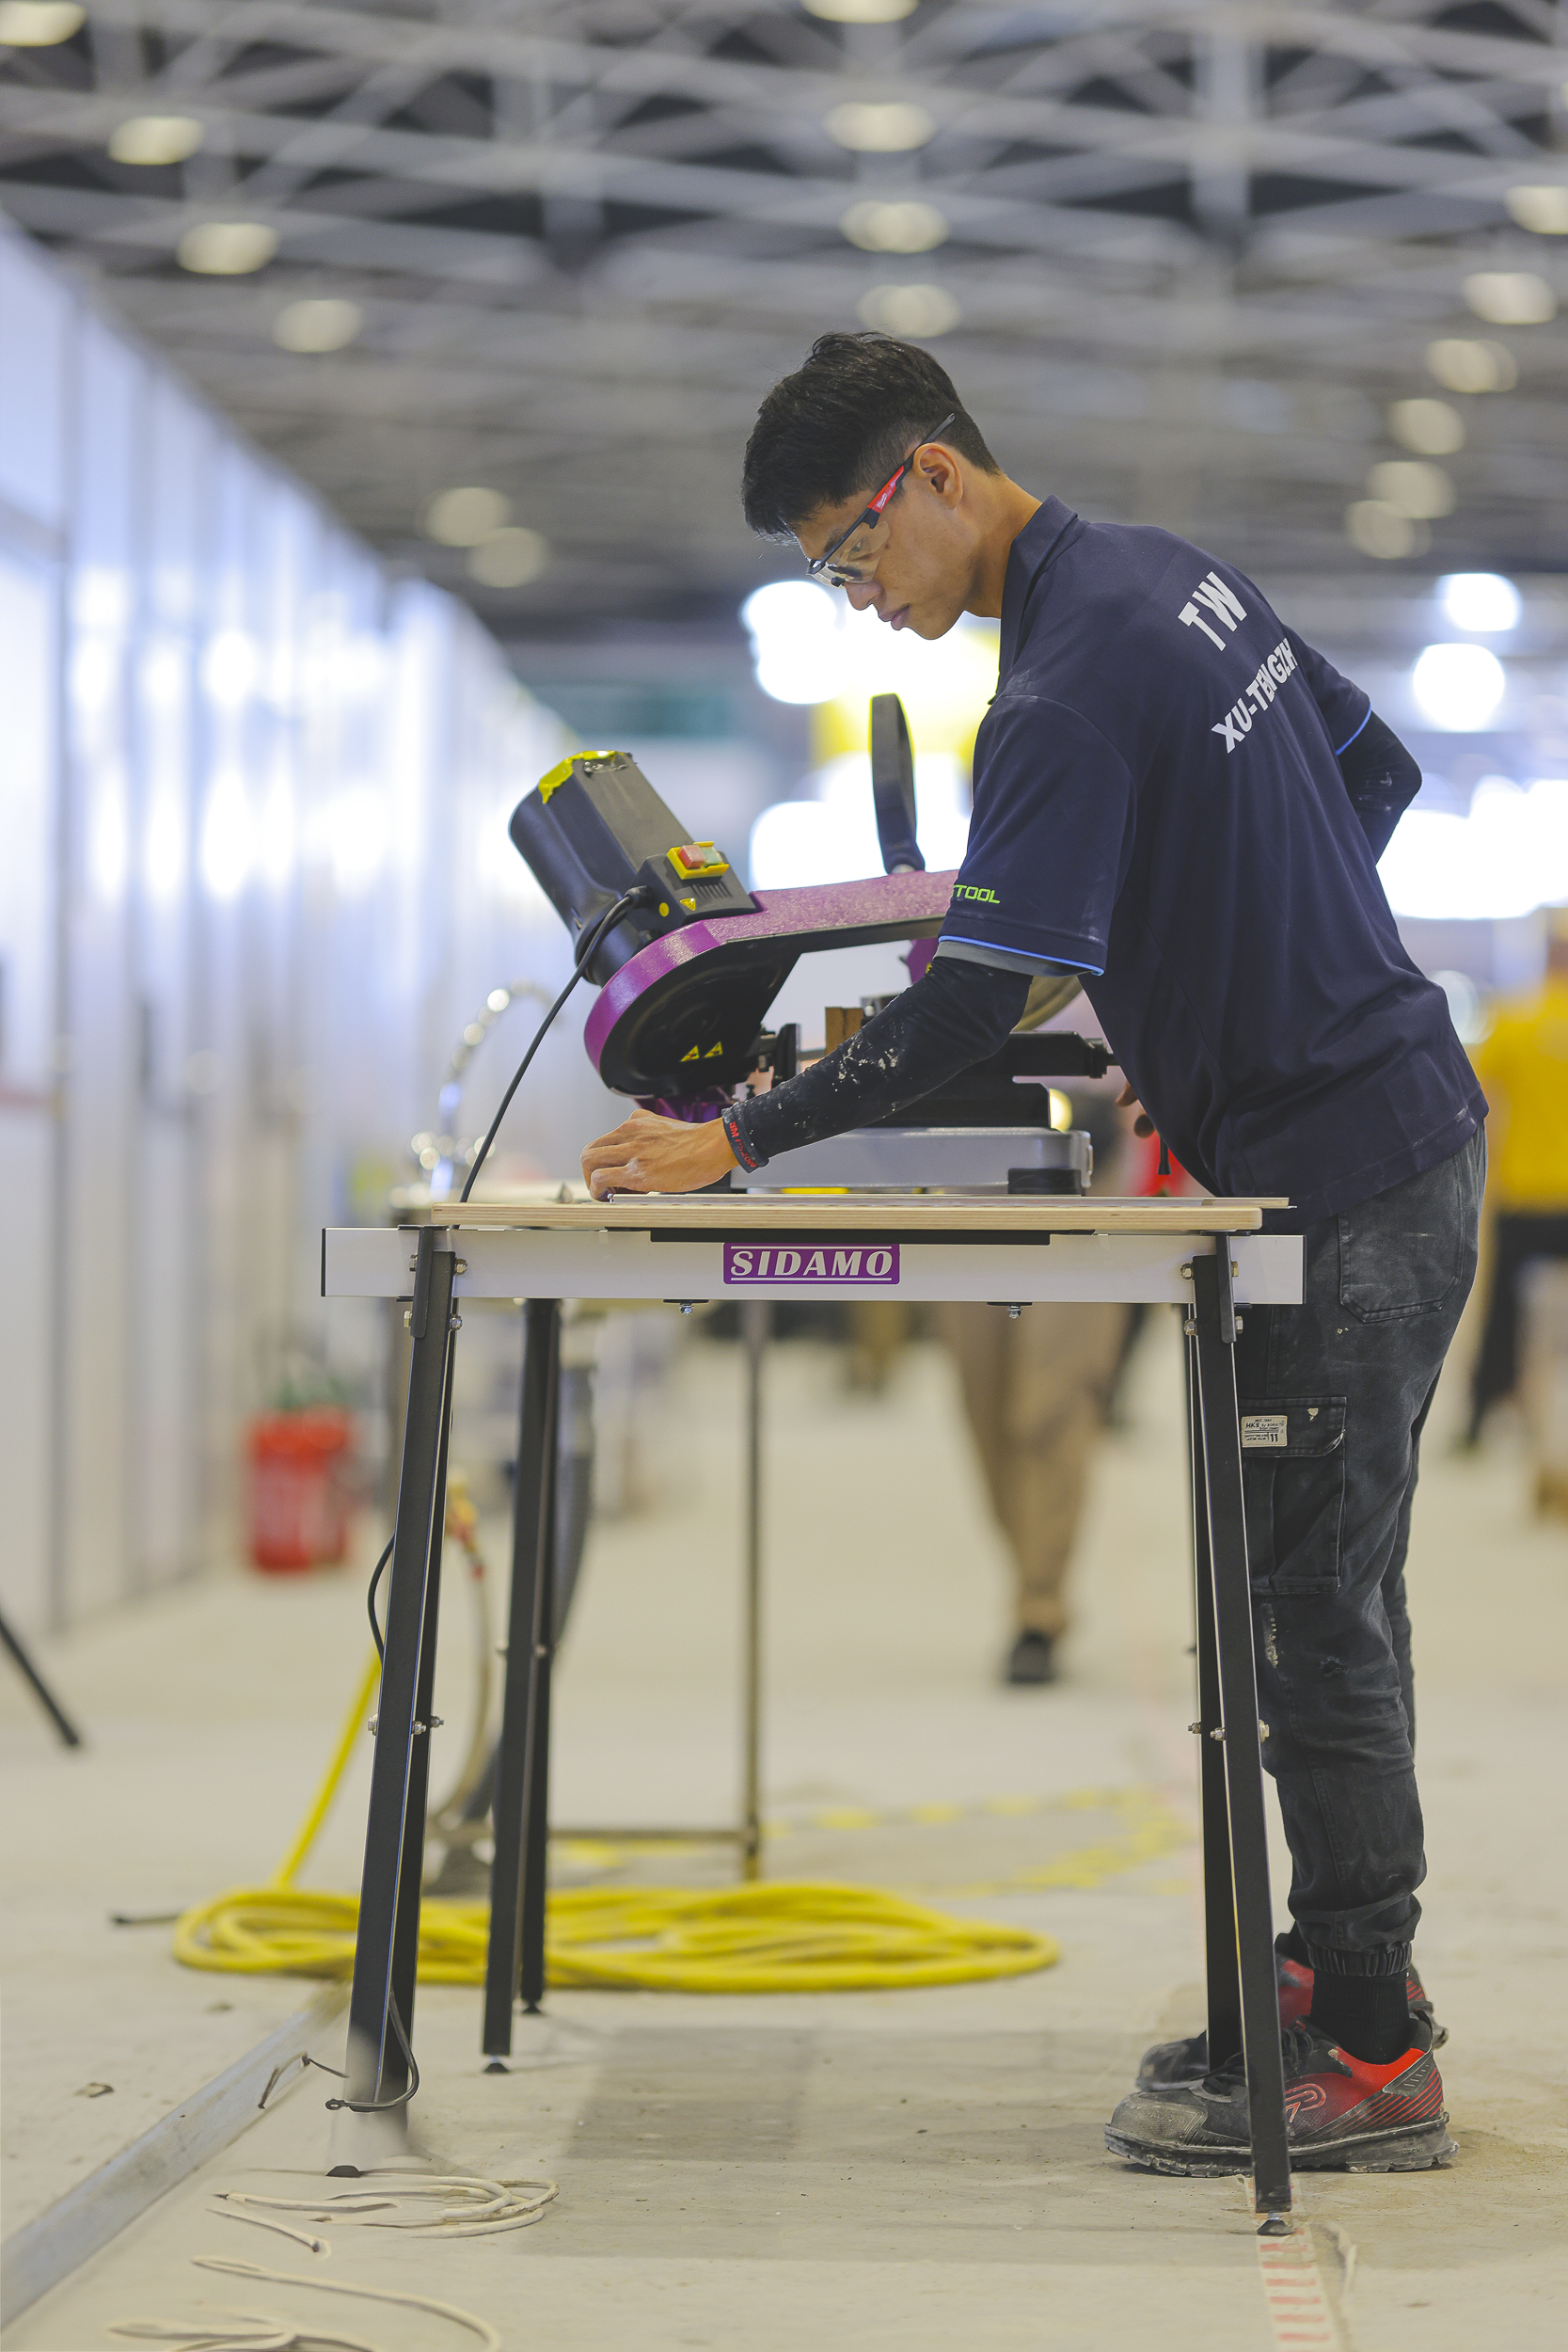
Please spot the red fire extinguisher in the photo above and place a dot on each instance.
(299, 1487)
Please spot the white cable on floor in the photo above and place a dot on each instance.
(258, 2221)
(474, 2208)
(480, 2328)
(480, 2207)
(257, 2331)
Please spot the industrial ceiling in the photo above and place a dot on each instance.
(1282, 277)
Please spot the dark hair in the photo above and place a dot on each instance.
(842, 423)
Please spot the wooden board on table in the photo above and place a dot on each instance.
(696, 1214)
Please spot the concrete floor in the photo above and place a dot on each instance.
(909, 2170)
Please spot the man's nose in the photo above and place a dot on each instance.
(860, 593)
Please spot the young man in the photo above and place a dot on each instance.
(1176, 798)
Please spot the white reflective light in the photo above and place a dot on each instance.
(894, 225)
(1506, 858)
(1457, 687)
(879, 126)
(905, 310)
(227, 835)
(1484, 602)
(832, 837)
(100, 598)
(162, 674)
(227, 248)
(232, 668)
(321, 324)
(163, 850)
(94, 673)
(360, 666)
(156, 138)
(796, 641)
(108, 850)
(277, 832)
(350, 832)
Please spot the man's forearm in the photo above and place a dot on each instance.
(1382, 779)
(950, 1019)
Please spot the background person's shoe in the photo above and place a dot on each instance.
(1342, 2114)
(1032, 1659)
(1187, 2062)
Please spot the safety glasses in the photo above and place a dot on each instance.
(855, 551)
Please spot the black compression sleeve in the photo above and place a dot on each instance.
(1382, 779)
(955, 1015)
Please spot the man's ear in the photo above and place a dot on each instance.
(942, 472)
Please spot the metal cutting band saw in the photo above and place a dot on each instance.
(973, 1196)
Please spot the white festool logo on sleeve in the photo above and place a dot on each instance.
(1261, 689)
(1222, 602)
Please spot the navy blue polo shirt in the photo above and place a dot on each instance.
(1158, 802)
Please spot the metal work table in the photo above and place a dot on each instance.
(1207, 1256)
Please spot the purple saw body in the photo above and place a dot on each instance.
(683, 1014)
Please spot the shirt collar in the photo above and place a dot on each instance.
(1036, 544)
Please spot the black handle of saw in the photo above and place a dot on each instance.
(893, 785)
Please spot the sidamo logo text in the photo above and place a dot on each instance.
(744, 1263)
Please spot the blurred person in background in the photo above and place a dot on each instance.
(1523, 1067)
(1036, 1391)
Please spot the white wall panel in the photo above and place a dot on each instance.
(28, 813)
(250, 896)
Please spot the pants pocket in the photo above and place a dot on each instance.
(1402, 1252)
(1293, 1480)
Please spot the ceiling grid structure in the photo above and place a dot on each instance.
(1187, 263)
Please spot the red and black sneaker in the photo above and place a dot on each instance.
(1187, 2062)
(1343, 2114)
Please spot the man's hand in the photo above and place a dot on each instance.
(646, 1153)
(1128, 1101)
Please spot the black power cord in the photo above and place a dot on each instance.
(643, 894)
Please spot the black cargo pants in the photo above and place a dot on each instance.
(1333, 1394)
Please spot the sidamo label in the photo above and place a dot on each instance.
(745, 1263)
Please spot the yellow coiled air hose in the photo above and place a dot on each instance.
(789, 1936)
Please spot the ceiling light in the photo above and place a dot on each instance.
(1462, 366)
(1430, 427)
(1458, 687)
(1543, 209)
(905, 226)
(227, 248)
(324, 324)
(38, 24)
(1509, 297)
(1380, 530)
(156, 138)
(1484, 602)
(862, 11)
(909, 309)
(879, 126)
(509, 558)
(1413, 487)
(461, 518)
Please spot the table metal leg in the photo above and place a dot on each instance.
(1219, 1893)
(1214, 1348)
(521, 1798)
(387, 1945)
(756, 1317)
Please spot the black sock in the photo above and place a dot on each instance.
(1368, 2016)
